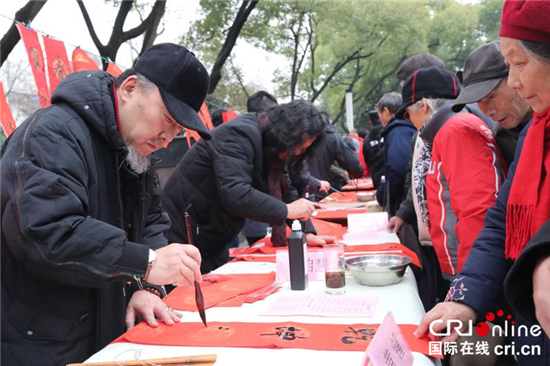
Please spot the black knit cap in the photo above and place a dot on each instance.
(432, 82)
(182, 81)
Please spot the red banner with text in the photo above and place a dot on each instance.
(6, 118)
(81, 61)
(58, 62)
(36, 59)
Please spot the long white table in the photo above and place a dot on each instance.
(402, 299)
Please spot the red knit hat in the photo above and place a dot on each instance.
(528, 20)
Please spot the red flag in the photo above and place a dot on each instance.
(58, 63)
(113, 69)
(36, 59)
(228, 115)
(8, 124)
(81, 61)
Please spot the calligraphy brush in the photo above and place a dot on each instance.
(337, 191)
(198, 292)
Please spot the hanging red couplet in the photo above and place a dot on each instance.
(58, 63)
(113, 69)
(8, 123)
(228, 115)
(36, 59)
(205, 116)
(206, 120)
(81, 61)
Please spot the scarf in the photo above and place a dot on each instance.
(277, 185)
(421, 168)
(528, 205)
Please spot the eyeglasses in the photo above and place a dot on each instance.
(406, 116)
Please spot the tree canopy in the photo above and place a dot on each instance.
(334, 46)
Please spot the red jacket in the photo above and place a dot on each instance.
(366, 170)
(462, 184)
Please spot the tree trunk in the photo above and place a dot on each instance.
(242, 15)
(151, 33)
(25, 15)
(118, 36)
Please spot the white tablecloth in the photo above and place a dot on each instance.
(402, 299)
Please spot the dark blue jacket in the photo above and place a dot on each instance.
(480, 284)
(397, 152)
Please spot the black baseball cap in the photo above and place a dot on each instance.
(483, 71)
(182, 81)
(432, 82)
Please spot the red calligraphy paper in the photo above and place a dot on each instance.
(339, 215)
(6, 118)
(182, 298)
(113, 69)
(81, 61)
(58, 62)
(337, 197)
(247, 254)
(389, 248)
(360, 184)
(36, 59)
(328, 337)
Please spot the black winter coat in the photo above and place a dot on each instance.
(519, 282)
(397, 153)
(222, 181)
(331, 149)
(373, 152)
(72, 218)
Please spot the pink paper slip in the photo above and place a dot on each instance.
(389, 346)
(323, 305)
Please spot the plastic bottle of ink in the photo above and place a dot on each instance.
(297, 252)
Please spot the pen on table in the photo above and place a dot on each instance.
(198, 292)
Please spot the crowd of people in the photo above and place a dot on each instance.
(460, 161)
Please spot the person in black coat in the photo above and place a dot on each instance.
(259, 102)
(333, 149)
(373, 149)
(222, 181)
(82, 226)
(397, 135)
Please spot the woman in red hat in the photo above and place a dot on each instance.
(512, 253)
(525, 34)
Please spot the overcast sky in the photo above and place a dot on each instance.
(63, 20)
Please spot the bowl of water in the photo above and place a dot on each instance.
(378, 269)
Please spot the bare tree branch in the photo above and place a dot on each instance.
(118, 36)
(239, 77)
(25, 15)
(151, 33)
(100, 47)
(354, 56)
(297, 64)
(242, 15)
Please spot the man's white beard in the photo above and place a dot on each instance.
(138, 163)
